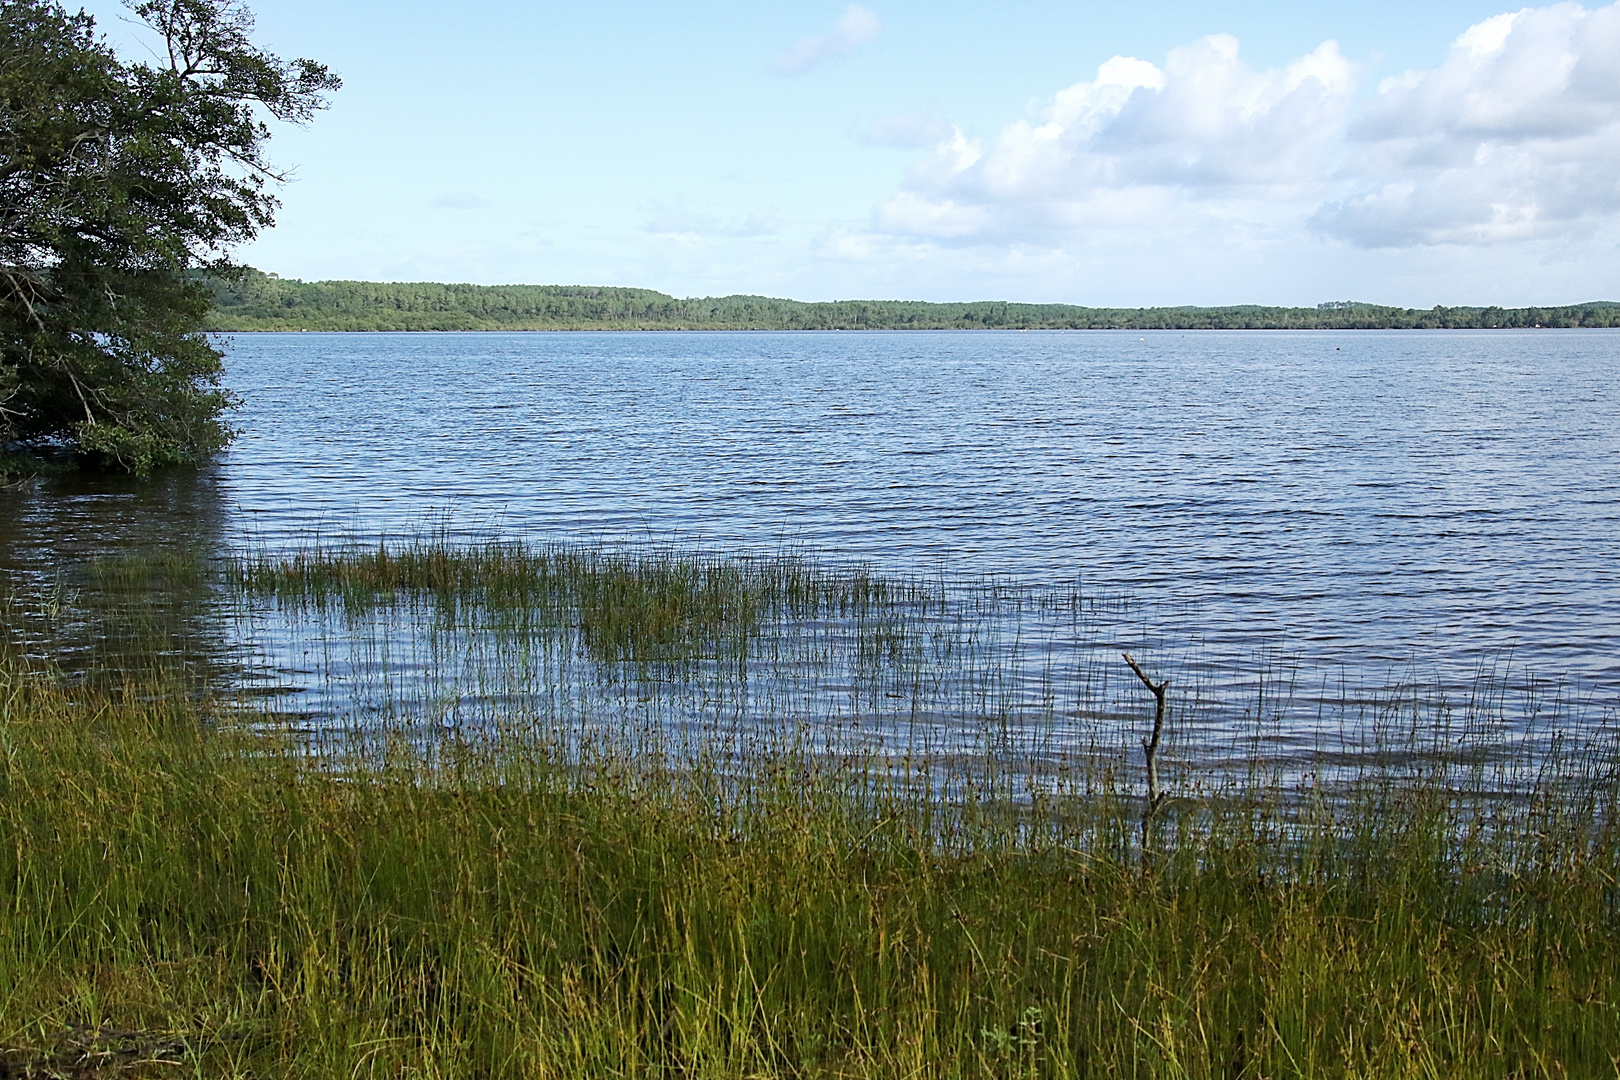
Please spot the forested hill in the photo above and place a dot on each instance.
(265, 302)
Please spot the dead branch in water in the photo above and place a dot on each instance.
(1150, 747)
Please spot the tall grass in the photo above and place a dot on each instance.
(191, 890)
(644, 606)
(999, 674)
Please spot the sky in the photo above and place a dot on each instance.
(1114, 154)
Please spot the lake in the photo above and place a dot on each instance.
(1337, 509)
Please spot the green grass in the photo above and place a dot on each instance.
(643, 606)
(191, 889)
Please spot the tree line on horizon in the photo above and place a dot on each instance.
(261, 302)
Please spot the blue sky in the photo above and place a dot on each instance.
(1145, 153)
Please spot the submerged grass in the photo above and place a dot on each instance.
(639, 605)
(189, 890)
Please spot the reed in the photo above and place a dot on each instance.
(195, 886)
(646, 604)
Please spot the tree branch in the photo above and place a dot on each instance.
(1150, 747)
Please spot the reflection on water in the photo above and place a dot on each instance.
(1305, 532)
(105, 572)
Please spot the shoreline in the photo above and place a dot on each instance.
(259, 302)
(890, 330)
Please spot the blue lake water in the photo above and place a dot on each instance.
(1361, 506)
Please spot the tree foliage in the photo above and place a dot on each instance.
(118, 181)
(255, 301)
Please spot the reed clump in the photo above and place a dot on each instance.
(190, 891)
(646, 605)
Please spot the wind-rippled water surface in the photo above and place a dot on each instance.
(1359, 495)
(1330, 510)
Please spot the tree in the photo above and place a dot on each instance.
(120, 184)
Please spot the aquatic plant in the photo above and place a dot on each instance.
(562, 823)
(189, 883)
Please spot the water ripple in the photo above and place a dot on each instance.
(1366, 503)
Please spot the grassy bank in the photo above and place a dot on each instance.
(190, 890)
(501, 908)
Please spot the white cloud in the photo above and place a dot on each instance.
(913, 214)
(1515, 135)
(854, 28)
(1138, 142)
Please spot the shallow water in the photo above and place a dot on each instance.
(1360, 510)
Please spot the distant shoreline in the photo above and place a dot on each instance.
(217, 329)
(263, 303)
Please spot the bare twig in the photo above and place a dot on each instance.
(89, 417)
(1150, 747)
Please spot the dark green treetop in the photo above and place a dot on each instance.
(117, 182)
(255, 301)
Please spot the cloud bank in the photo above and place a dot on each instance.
(853, 29)
(1514, 136)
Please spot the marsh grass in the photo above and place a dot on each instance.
(642, 606)
(569, 883)
(725, 647)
